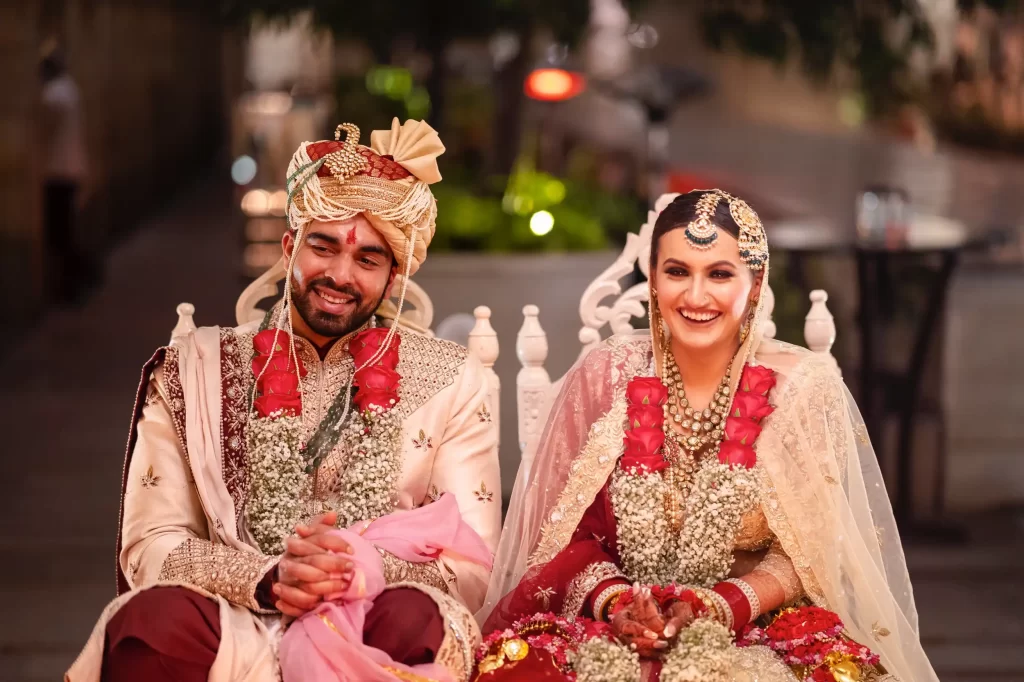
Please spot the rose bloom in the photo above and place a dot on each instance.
(757, 379)
(278, 362)
(646, 416)
(734, 453)
(377, 378)
(278, 382)
(646, 391)
(750, 405)
(743, 430)
(365, 345)
(643, 449)
(266, 405)
(265, 341)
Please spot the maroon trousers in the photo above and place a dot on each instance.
(172, 634)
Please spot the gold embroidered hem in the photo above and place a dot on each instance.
(589, 472)
(401, 571)
(461, 632)
(584, 583)
(231, 573)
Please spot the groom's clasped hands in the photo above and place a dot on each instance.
(314, 565)
(647, 627)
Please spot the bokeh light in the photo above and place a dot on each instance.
(541, 223)
(243, 170)
(256, 202)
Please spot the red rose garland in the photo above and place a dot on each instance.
(645, 435)
(277, 375)
(743, 425)
(376, 384)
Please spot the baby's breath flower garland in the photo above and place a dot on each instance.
(280, 464)
(600, 660)
(703, 653)
(722, 488)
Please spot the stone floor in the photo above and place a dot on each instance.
(65, 398)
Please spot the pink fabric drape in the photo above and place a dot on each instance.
(326, 645)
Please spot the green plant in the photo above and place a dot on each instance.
(479, 215)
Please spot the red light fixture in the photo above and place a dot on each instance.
(553, 85)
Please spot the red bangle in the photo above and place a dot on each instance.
(738, 603)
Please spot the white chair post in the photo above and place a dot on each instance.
(819, 325)
(532, 382)
(186, 325)
(769, 308)
(483, 343)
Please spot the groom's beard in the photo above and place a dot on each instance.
(330, 325)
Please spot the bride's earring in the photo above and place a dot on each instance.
(745, 327)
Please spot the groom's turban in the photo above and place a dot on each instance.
(388, 182)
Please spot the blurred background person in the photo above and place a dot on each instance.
(71, 274)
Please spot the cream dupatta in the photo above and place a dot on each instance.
(822, 489)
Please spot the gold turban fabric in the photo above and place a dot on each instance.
(388, 182)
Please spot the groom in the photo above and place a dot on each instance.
(214, 545)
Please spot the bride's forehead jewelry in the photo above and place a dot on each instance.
(702, 232)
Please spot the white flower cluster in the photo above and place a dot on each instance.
(278, 479)
(701, 554)
(646, 547)
(598, 660)
(703, 653)
(718, 498)
(366, 490)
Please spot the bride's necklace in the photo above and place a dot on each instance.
(700, 428)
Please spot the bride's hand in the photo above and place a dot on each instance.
(680, 615)
(637, 626)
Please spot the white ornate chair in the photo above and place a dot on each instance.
(534, 387)
(418, 312)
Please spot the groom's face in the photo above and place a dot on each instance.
(340, 274)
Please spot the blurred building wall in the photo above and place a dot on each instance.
(156, 80)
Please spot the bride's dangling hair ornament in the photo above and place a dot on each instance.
(702, 232)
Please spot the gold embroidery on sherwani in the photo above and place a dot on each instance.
(483, 495)
(400, 571)
(484, 414)
(426, 365)
(235, 381)
(423, 441)
(175, 396)
(233, 574)
(462, 634)
(149, 479)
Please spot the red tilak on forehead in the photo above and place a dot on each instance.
(351, 238)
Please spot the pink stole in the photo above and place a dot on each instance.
(326, 644)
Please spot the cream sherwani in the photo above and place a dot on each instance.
(186, 484)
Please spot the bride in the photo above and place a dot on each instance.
(704, 503)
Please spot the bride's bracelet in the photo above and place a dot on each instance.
(741, 599)
(718, 607)
(606, 599)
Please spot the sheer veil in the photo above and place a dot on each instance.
(821, 487)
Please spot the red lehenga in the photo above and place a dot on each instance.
(561, 549)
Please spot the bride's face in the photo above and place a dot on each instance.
(704, 295)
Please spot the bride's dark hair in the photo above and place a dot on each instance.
(681, 212)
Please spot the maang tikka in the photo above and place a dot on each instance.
(702, 232)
